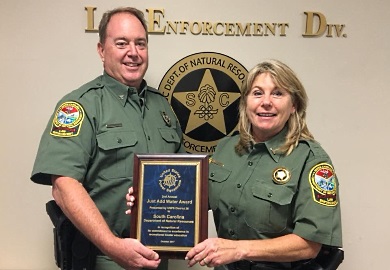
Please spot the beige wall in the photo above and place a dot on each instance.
(45, 53)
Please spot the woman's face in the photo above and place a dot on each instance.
(268, 108)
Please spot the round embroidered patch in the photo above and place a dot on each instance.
(323, 184)
(67, 120)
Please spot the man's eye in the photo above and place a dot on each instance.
(121, 44)
(142, 44)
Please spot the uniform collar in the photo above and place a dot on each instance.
(142, 90)
(274, 143)
(138, 96)
(123, 92)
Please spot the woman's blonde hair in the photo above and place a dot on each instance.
(283, 77)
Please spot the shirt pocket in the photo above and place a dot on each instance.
(171, 140)
(269, 208)
(115, 149)
(217, 178)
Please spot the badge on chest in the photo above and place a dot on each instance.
(281, 176)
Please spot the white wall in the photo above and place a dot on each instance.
(45, 53)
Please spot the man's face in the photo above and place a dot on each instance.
(125, 50)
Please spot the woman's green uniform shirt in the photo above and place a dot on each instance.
(248, 202)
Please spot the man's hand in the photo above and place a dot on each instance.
(78, 206)
(131, 255)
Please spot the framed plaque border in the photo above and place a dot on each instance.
(201, 195)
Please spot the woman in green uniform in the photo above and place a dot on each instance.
(272, 188)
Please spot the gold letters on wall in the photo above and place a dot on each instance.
(316, 25)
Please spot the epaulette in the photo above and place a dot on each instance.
(316, 148)
(91, 85)
(94, 84)
(154, 90)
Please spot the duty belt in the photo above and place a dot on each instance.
(250, 265)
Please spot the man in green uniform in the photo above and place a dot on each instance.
(87, 149)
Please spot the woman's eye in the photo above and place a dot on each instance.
(277, 93)
(256, 93)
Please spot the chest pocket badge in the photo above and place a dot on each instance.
(281, 176)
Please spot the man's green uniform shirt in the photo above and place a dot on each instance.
(94, 135)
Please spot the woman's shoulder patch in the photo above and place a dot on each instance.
(67, 120)
(322, 180)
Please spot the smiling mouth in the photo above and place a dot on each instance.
(131, 64)
(266, 114)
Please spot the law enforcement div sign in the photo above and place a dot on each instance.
(204, 91)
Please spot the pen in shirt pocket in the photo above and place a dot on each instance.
(211, 160)
(114, 125)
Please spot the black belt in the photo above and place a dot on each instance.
(328, 258)
(251, 265)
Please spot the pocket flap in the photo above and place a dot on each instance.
(116, 139)
(280, 195)
(169, 135)
(218, 173)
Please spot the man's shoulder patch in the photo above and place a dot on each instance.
(322, 180)
(67, 120)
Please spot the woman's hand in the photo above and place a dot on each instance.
(214, 252)
(130, 199)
